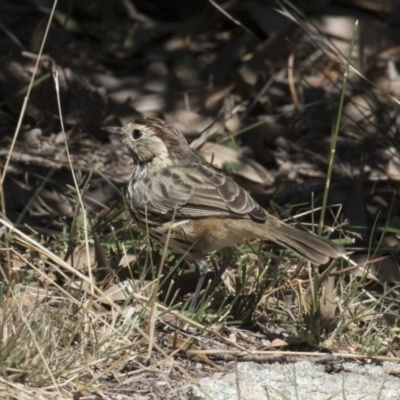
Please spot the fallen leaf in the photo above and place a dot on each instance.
(274, 344)
(184, 346)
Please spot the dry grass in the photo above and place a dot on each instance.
(63, 334)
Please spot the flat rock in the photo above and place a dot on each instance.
(302, 380)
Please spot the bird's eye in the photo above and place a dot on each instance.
(137, 134)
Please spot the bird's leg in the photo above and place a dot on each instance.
(202, 264)
(226, 262)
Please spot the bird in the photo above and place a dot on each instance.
(173, 194)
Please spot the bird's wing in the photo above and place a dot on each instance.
(199, 191)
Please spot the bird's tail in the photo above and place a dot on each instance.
(313, 248)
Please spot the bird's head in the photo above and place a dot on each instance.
(148, 139)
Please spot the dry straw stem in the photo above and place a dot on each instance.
(152, 320)
(234, 20)
(82, 206)
(285, 353)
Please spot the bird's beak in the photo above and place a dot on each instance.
(115, 130)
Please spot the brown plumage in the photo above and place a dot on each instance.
(211, 210)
